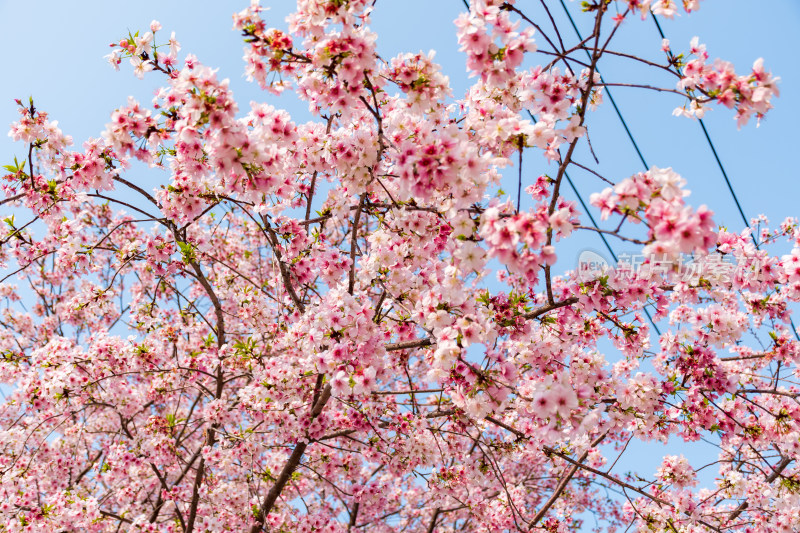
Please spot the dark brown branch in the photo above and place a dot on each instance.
(434, 518)
(85, 470)
(407, 345)
(562, 484)
(549, 307)
(551, 451)
(353, 516)
(285, 274)
(288, 468)
(777, 470)
(353, 242)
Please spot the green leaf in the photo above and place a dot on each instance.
(187, 252)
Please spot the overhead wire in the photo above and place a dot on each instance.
(630, 137)
(702, 126)
(608, 91)
(720, 165)
(569, 179)
(710, 143)
(639, 153)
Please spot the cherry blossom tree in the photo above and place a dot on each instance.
(341, 325)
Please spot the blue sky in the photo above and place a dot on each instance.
(54, 52)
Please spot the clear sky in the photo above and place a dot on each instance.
(54, 52)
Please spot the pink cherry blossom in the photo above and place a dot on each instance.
(346, 324)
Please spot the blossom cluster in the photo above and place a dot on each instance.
(749, 94)
(296, 328)
(656, 199)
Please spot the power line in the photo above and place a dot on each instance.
(630, 137)
(633, 141)
(569, 180)
(710, 143)
(702, 126)
(642, 159)
(721, 167)
(608, 91)
(602, 237)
